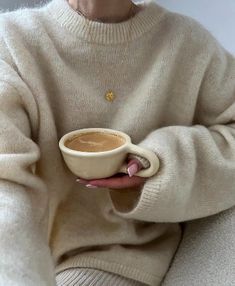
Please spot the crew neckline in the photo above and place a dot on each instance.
(106, 33)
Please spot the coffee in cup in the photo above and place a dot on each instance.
(95, 153)
(95, 142)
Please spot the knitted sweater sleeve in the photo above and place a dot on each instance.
(25, 255)
(197, 162)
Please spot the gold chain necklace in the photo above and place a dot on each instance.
(110, 95)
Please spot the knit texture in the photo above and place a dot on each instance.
(175, 95)
(206, 255)
(93, 277)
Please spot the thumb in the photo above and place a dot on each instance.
(133, 167)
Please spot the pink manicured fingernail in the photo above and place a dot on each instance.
(91, 186)
(132, 170)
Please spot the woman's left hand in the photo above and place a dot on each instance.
(120, 180)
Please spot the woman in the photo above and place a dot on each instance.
(158, 76)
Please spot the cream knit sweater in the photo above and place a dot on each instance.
(175, 94)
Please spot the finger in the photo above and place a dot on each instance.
(132, 169)
(135, 161)
(118, 182)
(84, 181)
(134, 166)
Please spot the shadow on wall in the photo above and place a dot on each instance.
(15, 4)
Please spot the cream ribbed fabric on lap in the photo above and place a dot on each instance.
(93, 277)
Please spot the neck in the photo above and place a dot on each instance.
(111, 11)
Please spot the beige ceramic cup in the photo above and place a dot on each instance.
(97, 165)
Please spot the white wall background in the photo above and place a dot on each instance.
(14, 4)
(218, 16)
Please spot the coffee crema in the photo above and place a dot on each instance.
(95, 142)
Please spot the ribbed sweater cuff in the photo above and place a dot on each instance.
(86, 260)
(89, 277)
(138, 204)
(142, 202)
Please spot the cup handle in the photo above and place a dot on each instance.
(149, 155)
